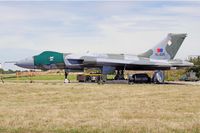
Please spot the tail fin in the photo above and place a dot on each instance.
(167, 48)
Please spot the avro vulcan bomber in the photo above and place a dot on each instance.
(158, 59)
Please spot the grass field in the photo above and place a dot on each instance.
(48, 77)
(38, 77)
(59, 108)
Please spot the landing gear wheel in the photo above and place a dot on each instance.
(119, 75)
(66, 81)
(102, 79)
(158, 77)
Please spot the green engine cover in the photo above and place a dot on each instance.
(49, 58)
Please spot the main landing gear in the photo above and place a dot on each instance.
(102, 79)
(119, 75)
(157, 78)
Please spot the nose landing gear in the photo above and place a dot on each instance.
(66, 75)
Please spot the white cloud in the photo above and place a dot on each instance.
(184, 10)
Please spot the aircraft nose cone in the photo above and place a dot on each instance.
(26, 63)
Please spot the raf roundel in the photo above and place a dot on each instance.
(159, 50)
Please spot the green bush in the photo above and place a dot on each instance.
(196, 67)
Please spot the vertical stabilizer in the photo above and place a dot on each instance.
(167, 48)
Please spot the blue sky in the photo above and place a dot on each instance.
(28, 27)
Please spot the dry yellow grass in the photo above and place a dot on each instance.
(77, 107)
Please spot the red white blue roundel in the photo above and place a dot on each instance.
(160, 50)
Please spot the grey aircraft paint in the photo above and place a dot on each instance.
(161, 57)
(167, 48)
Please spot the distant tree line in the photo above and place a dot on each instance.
(196, 67)
(9, 71)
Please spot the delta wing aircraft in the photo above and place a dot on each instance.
(158, 59)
